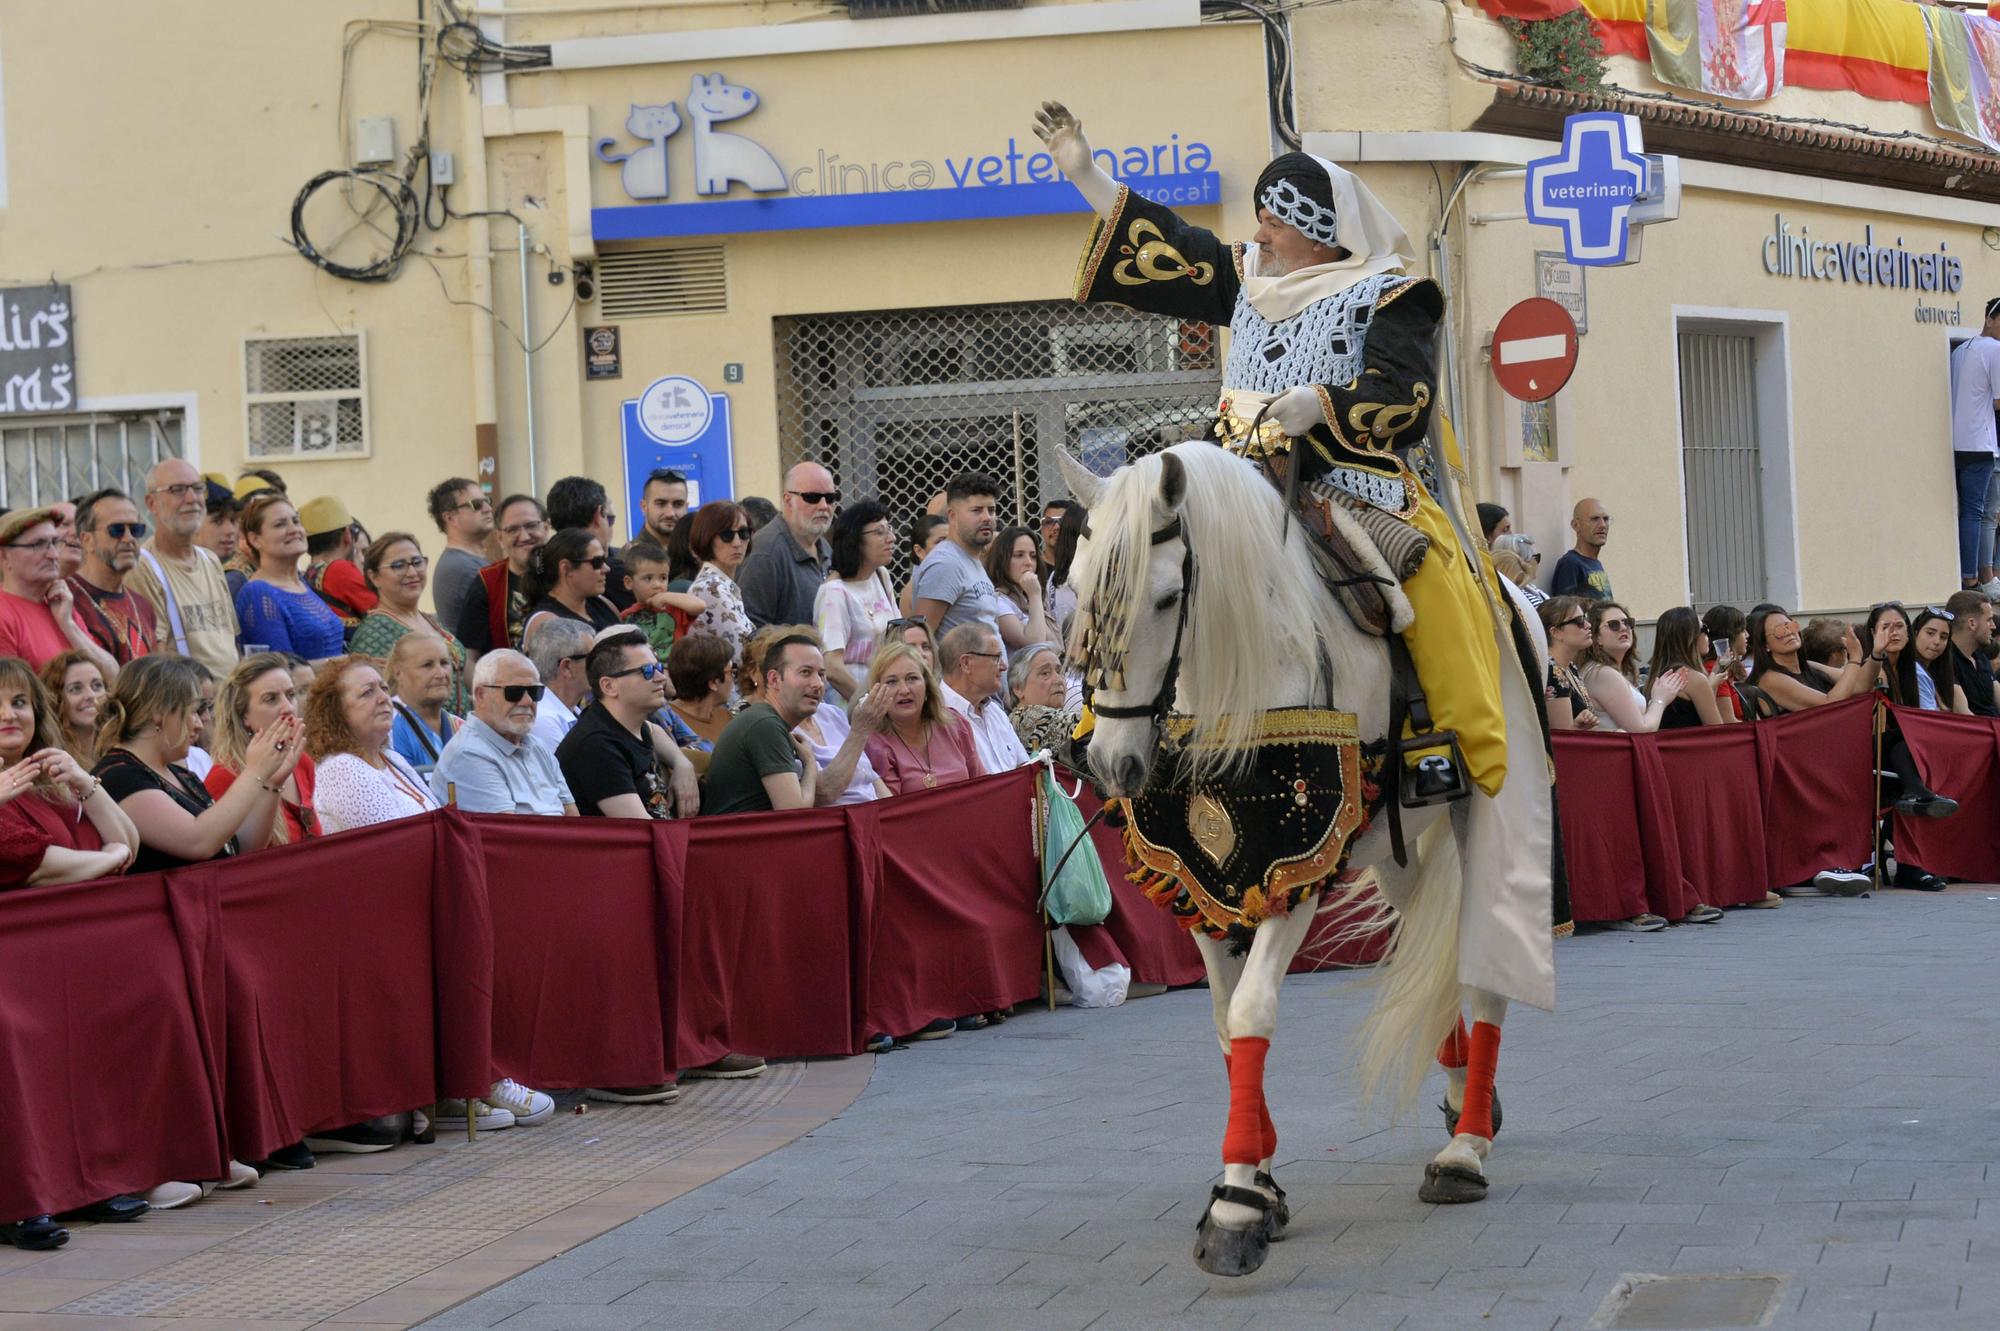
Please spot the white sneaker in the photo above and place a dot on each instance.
(451, 1116)
(168, 1196)
(528, 1107)
(1842, 882)
(1991, 588)
(240, 1176)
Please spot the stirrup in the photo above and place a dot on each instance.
(1435, 778)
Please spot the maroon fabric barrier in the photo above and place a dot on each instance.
(1958, 756)
(106, 1055)
(950, 882)
(1659, 822)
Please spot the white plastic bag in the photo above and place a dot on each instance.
(1104, 987)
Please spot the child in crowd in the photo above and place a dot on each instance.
(660, 613)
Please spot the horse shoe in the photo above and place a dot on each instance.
(1449, 1185)
(1280, 1217)
(1451, 1115)
(1233, 1252)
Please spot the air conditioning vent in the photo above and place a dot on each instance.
(909, 8)
(637, 284)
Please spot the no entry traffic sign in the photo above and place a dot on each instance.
(1534, 350)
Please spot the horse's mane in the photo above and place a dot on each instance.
(1258, 605)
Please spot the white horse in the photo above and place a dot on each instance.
(1260, 632)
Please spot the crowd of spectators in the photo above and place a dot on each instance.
(212, 669)
(1725, 666)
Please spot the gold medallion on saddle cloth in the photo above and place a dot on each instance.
(1224, 857)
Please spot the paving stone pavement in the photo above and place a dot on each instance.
(1806, 1092)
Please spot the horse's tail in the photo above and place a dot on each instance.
(1417, 994)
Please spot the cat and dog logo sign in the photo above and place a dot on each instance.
(834, 190)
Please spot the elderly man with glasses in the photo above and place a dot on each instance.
(789, 558)
(38, 620)
(192, 602)
(495, 764)
(975, 686)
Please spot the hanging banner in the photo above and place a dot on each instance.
(1726, 48)
(1965, 73)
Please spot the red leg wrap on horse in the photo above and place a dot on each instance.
(1243, 1141)
(1452, 1053)
(1481, 1061)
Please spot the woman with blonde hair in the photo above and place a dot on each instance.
(420, 675)
(76, 685)
(1611, 674)
(144, 737)
(259, 693)
(922, 743)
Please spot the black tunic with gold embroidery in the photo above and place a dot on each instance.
(1366, 348)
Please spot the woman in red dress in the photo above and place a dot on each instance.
(57, 824)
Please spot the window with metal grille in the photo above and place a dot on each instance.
(896, 403)
(1723, 465)
(686, 279)
(305, 397)
(48, 458)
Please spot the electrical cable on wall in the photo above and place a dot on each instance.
(1277, 57)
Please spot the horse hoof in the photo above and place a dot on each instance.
(1451, 1116)
(1231, 1252)
(1280, 1216)
(1449, 1185)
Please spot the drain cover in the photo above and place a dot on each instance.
(1690, 1301)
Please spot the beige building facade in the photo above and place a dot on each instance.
(737, 235)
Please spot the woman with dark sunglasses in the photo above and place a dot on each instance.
(566, 579)
(1569, 639)
(1611, 673)
(720, 539)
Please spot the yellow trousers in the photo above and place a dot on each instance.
(1455, 647)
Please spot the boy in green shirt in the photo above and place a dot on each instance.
(660, 613)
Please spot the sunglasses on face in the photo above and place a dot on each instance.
(1580, 622)
(649, 672)
(816, 496)
(735, 533)
(599, 561)
(120, 530)
(476, 505)
(1616, 625)
(516, 692)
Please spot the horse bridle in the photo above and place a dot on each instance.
(1163, 701)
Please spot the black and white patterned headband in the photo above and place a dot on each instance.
(1295, 209)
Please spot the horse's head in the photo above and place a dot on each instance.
(1130, 574)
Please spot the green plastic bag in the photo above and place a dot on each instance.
(1078, 894)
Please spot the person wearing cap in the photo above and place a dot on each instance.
(332, 569)
(38, 619)
(279, 613)
(191, 597)
(119, 621)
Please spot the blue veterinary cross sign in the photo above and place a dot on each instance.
(1589, 188)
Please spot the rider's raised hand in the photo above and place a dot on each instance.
(1058, 127)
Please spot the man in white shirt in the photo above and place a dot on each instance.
(975, 675)
(1975, 394)
(558, 648)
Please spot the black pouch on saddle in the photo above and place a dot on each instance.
(1224, 857)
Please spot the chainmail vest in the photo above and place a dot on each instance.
(1321, 344)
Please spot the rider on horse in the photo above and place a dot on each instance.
(1330, 372)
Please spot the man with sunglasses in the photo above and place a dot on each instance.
(558, 648)
(121, 623)
(789, 558)
(38, 619)
(612, 756)
(464, 514)
(494, 763)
